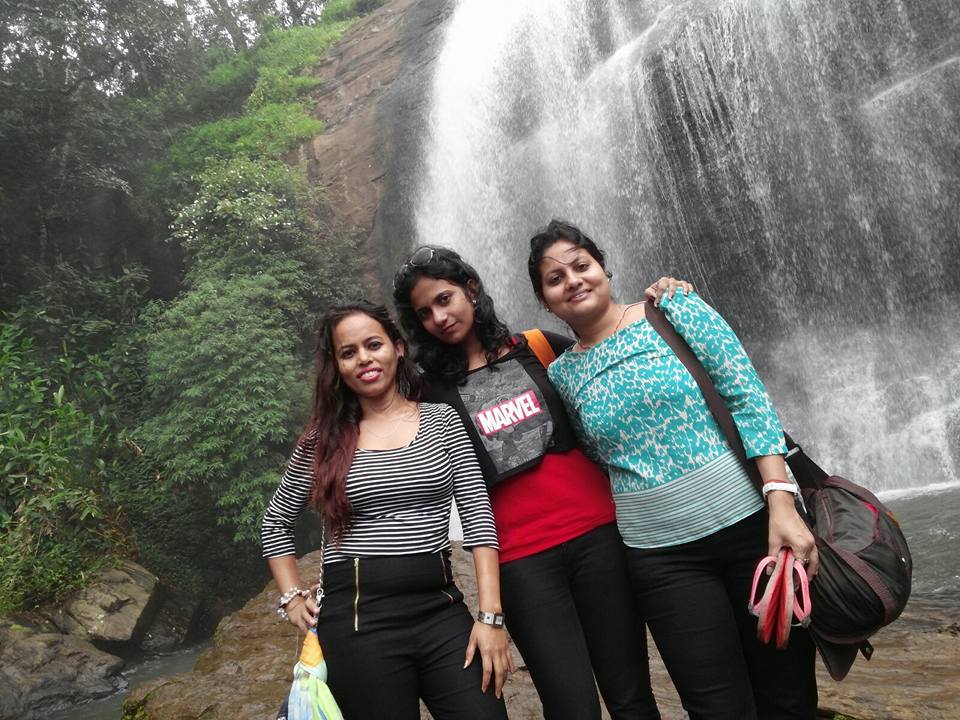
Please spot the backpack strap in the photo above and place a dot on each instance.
(541, 347)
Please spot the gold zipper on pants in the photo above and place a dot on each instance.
(356, 598)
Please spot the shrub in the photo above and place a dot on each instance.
(224, 380)
(267, 132)
(53, 525)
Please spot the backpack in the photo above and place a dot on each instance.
(865, 565)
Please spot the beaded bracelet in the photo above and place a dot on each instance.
(287, 597)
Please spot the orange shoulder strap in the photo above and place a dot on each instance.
(540, 345)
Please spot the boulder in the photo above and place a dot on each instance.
(114, 608)
(42, 671)
(175, 621)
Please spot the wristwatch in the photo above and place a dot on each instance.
(489, 618)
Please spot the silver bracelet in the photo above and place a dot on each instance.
(287, 597)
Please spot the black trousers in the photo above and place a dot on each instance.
(694, 599)
(394, 630)
(570, 613)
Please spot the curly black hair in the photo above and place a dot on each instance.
(439, 360)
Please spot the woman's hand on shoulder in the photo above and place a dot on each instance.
(787, 529)
(666, 286)
(494, 653)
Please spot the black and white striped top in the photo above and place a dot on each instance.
(400, 498)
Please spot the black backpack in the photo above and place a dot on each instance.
(865, 566)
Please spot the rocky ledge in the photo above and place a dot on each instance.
(75, 652)
(247, 671)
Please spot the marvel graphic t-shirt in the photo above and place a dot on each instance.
(544, 490)
(509, 414)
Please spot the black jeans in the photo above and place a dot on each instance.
(570, 613)
(694, 599)
(394, 630)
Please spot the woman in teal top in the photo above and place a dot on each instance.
(693, 522)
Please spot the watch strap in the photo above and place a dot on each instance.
(489, 618)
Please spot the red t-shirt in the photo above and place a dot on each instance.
(563, 497)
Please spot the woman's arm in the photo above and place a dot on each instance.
(491, 641)
(276, 532)
(480, 536)
(721, 354)
(786, 527)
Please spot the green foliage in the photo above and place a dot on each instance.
(269, 131)
(294, 48)
(86, 333)
(251, 217)
(226, 358)
(242, 207)
(155, 431)
(224, 379)
(276, 85)
(338, 10)
(52, 520)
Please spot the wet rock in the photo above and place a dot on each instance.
(43, 671)
(247, 672)
(176, 620)
(115, 608)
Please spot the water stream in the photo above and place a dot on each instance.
(148, 668)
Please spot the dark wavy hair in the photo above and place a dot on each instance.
(438, 359)
(552, 233)
(334, 421)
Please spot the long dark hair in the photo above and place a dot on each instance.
(447, 363)
(554, 232)
(334, 422)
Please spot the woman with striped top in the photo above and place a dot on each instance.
(383, 470)
(693, 523)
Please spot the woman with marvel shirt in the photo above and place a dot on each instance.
(564, 584)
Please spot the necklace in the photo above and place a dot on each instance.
(617, 327)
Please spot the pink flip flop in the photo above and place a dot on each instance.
(786, 598)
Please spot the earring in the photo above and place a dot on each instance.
(474, 302)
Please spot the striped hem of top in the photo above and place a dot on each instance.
(690, 507)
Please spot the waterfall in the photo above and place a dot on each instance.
(798, 160)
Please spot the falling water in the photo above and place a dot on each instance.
(799, 160)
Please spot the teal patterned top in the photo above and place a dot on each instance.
(639, 412)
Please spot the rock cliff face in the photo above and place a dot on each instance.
(373, 95)
(246, 673)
